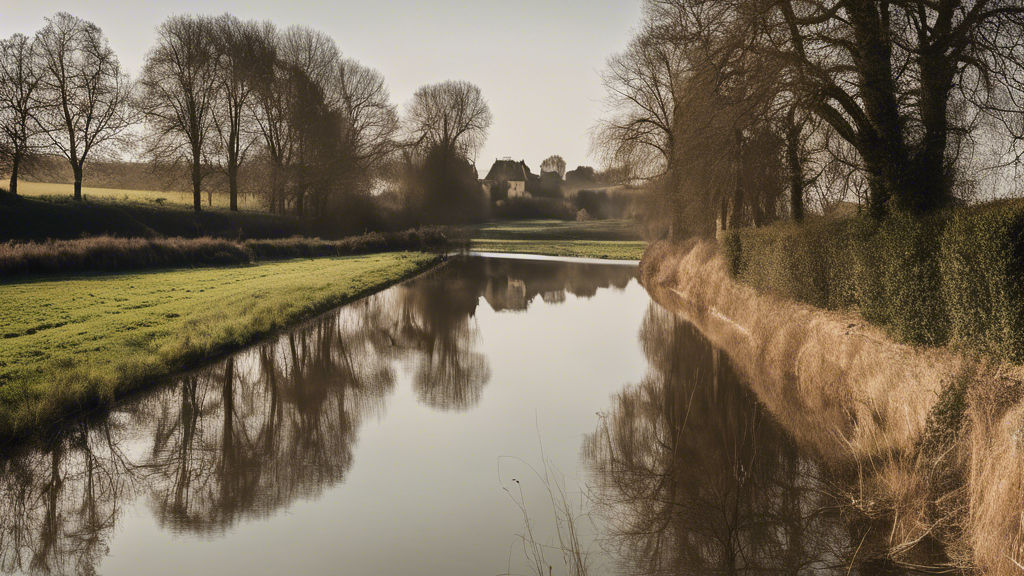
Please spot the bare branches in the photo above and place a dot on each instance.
(85, 98)
(450, 115)
(180, 86)
(20, 76)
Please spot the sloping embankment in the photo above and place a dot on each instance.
(844, 389)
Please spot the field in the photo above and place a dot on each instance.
(609, 239)
(220, 200)
(61, 218)
(79, 340)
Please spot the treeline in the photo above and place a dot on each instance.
(743, 113)
(250, 108)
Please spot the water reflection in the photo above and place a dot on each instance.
(695, 478)
(276, 423)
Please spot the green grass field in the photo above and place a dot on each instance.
(75, 341)
(608, 239)
(220, 200)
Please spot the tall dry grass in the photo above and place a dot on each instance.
(933, 438)
(110, 254)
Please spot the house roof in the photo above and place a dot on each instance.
(509, 171)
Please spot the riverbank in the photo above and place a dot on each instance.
(76, 341)
(930, 434)
(604, 239)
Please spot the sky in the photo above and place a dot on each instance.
(538, 62)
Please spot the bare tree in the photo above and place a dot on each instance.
(239, 50)
(885, 76)
(85, 98)
(554, 164)
(316, 54)
(20, 75)
(641, 99)
(180, 85)
(372, 120)
(451, 116)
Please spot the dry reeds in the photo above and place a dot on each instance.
(936, 438)
(110, 254)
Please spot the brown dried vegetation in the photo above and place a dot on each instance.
(932, 436)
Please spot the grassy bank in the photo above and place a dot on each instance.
(930, 435)
(72, 342)
(108, 254)
(609, 239)
(24, 218)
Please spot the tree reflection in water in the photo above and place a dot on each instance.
(694, 477)
(277, 422)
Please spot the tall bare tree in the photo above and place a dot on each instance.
(85, 98)
(886, 76)
(20, 75)
(239, 51)
(641, 98)
(371, 119)
(451, 116)
(180, 86)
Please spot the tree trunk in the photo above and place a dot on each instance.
(930, 188)
(77, 169)
(796, 169)
(233, 187)
(197, 182)
(737, 194)
(14, 174)
(881, 144)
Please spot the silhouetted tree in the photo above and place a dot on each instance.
(553, 164)
(20, 75)
(85, 98)
(239, 50)
(180, 88)
(451, 117)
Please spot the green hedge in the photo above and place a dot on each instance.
(955, 277)
(983, 278)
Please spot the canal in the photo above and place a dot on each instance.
(493, 416)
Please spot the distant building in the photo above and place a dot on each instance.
(509, 174)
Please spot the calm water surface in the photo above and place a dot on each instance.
(444, 426)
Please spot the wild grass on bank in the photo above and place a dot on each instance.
(108, 254)
(936, 435)
(67, 344)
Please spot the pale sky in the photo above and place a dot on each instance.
(536, 61)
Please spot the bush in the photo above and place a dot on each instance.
(534, 209)
(983, 278)
(955, 277)
(807, 263)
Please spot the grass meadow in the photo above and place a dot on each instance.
(608, 239)
(75, 341)
(220, 200)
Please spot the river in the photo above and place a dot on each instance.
(493, 416)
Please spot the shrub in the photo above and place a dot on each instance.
(955, 277)
(807, 263)
(983, 278)
(897, 276)
(534, 208)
